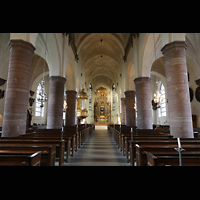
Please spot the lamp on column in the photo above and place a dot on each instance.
(135, 106)
(65, 106)
(42, 94)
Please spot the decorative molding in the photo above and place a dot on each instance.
(191, 94)
(129, 45)
(2, 81)
(197, 91)
(73, 46)
(32, 93)
(31, 101)
(2, 92)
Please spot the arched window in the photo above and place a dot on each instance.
(113, 96)
(39, 110)
(163, 111)
(90, 97)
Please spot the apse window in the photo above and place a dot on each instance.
(39, 108)
(113, 96)
(163, 111)
(90, 97)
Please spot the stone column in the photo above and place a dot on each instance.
(17, 91)
(143, 94)
(55, 102)
(123, 109)
(177, 89)
(130, 111)
(71, 107)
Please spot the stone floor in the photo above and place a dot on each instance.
(99, 150)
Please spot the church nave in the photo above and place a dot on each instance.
(98, 150)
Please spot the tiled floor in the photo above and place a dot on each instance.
(98, 150)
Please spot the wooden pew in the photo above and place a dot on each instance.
(170, 160)
(77, 138)
(56, 136)
(127, 140)
(159, 142)
(48, 152)
(60, 145)
(141, 151)
(118, 136)
(67, 141)
(14, 158)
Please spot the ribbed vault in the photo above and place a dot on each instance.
(101, 53)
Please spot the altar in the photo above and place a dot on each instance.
(102, 120)
(101, 107)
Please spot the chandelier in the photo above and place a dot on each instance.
(158, 97)
(42, 94)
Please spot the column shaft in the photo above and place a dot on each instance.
(177, 89)
(130, 111)
(71, 107)
(143, 94)
(123, 108)
(55, 102)
(17, 91)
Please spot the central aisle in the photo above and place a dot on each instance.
(98, 150)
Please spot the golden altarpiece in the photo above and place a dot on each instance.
(102, 106)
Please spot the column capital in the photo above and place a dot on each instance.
(175, 44)
(57, 78)
(21, 43)
(142, 79)
(70, 91)
(129, 92)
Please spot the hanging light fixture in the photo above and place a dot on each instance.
(42, 94)
(157, 96)
(81, 111)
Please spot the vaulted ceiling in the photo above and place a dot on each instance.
(101, 54)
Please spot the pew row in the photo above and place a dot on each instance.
(141, 151)
(149, 138)
(17, 141)
(16, 158)
(45, 141)
(173, 160)
(47, 156)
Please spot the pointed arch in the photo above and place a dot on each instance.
(130, 77)
(49, 42)
(70, 77)
(148, 53)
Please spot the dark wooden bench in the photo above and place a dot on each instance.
(77, 138)
(127, 139)
(66, 137)
(172, 160)
(141, 151)
(14, 158)
(118, 136)
(60, 145)
(48, 152)
(67, 140)
(158, 142)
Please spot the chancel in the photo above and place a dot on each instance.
(99, 99)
